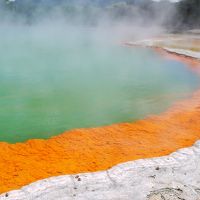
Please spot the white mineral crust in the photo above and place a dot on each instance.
(173, 177)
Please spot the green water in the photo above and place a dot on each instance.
(52, 81)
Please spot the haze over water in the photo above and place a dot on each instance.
(55, 80)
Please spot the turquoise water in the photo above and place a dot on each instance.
(52, 81)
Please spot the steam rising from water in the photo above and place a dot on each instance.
(55, 78)
(57, 74)
(117, 19)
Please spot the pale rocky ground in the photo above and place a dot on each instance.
(187, 43)
(173, 177)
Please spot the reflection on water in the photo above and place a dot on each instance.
(52, 81)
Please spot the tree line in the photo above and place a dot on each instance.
(174, 16)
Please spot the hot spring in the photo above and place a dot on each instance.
(55, 80)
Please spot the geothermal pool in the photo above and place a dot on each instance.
(52, 81)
